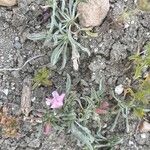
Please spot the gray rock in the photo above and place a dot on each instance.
(34, 143)
(17, 45)
(118, 52)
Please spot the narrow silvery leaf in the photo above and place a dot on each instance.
(68, 84)
(56, 53)
(64, 57)
(37, 36)
(83, 134)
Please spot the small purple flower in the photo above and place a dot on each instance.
(56, 101)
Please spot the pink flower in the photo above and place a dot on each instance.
(56, 101)
(103, 109)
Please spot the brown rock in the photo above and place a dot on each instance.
(144, 127)
(92, 12)
(8, 2)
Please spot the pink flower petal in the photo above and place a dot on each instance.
(61, 97)
(55, 94)
(104, 105)
(56, 101)
(56, 105)
(101, 111)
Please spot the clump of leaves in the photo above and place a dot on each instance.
(9, 124)
(141, 61)
(76, 116)
(140, 97)
(144, 5)
(63, 33)
(42, 78)
(142, 93)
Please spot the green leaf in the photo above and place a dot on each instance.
(68, 84)
(56, 53)
(64, 56)
(91, 34)
(83, 134)
(138, 72)
(139, 112)
(37, 36)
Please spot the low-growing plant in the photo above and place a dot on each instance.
(78, 116)
(41, 78)
(141, 61)
(63, 33)
(136, 99)
(141, 95)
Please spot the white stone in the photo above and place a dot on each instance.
(119, 89)
(5, 91)
(143, 136)
(126, 25)
(131, 143)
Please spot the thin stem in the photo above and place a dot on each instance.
(20, 68)
(127, 121)
(115, 122)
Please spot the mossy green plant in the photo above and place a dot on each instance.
(41, 78)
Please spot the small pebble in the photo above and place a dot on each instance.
(35, 143)
(143, 136)
(131, 143)
(5, 91)
(16, 38)
(33, 99)
(119, 89)
(17, 45)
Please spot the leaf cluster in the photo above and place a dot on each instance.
(77, 115)
(41, 78)
(62, 34)
(140, 97)
(141, 61)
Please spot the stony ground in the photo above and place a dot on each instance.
(110, 50)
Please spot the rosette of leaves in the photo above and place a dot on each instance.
(41, 78)
(63, 32)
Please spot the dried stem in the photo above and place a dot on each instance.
(20, 68)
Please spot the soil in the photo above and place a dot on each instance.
(109, 60)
